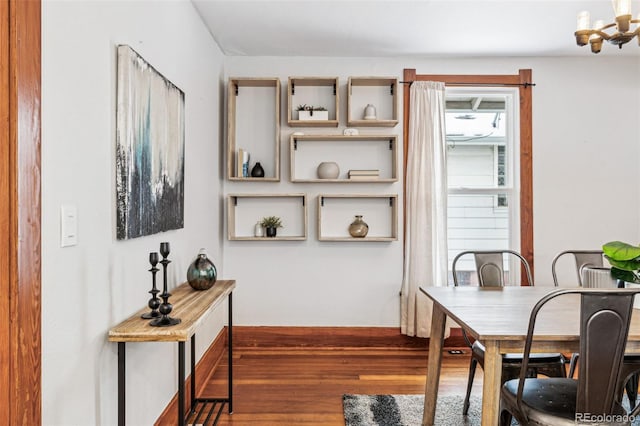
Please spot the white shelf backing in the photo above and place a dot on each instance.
(337, 211)
(381, 92)
(349, 152)
(253, 124)
(313, 91)
(244, 210)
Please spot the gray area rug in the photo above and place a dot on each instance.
(406, 410)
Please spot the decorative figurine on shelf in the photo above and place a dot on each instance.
(370, 112)
(154, 302)
(328, 170)
(310, 112)
(358, 228)
(202, 274)
(165, 307)
(257, 170)
(258, 230)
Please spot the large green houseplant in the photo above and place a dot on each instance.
(624, 259)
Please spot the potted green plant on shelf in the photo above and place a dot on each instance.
(310, 112)
(271, 224)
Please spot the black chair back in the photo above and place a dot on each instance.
(604, 326)
(583, 259)
(489, 266)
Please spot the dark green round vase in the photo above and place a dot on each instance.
(202, 273)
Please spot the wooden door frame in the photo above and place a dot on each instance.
(20, 222)
(522, 80)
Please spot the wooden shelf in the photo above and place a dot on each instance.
(253, 124)
(191, 306)
(349, 152)
(382, 92)
(313, 91)
(337, 211)
(244, 210)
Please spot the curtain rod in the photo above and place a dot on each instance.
(525, 84)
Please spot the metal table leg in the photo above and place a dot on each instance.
(193, 374)
(121, 384)
(230, 352)
(210, 409)
(181, 418)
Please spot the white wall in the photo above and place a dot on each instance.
(313, 283)
(91, 287)
(585, 155)
(585, 182)
(586, 136)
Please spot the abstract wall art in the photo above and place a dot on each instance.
(149, 149)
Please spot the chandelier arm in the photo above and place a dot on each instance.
(611, 25)
(602, 34)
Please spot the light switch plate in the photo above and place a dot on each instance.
(68, 225)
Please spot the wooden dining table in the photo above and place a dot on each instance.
(498, 317)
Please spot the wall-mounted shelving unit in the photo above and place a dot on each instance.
(337, 211)
(313, 91)
(244, 210)
(361, 152)
(381, 92)
(253, 124)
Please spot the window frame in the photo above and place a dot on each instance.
(522, 81)
(511, 143)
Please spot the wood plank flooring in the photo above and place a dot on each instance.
(289, 386)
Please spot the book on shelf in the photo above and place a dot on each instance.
(239, 163)
(373, 172)
(242, 163)
(245, 164)
(363, 177)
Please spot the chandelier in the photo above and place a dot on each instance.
(619, 35)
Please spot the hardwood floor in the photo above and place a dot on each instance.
(289, 386)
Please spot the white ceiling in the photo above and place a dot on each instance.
(386, 28)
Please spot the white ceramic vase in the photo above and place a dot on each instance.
(370, 112)
(328, 170)
(258, 230)
(594, 277)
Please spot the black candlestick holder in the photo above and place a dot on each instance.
(154, 302)
(165, 307)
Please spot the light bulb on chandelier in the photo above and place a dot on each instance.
(620, 34)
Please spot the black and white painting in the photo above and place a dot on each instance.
(149, 149)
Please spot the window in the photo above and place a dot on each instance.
(483, 174)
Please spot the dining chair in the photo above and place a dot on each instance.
(589, 263)
(604, 326)
(489, 266)
(583, 258)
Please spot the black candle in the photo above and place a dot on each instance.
(164, 249)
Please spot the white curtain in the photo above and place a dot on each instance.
(425, 249)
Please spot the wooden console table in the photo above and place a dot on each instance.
(192, 307)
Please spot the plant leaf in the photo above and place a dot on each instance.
(625, 265)
(627, 276)
(617, 250)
